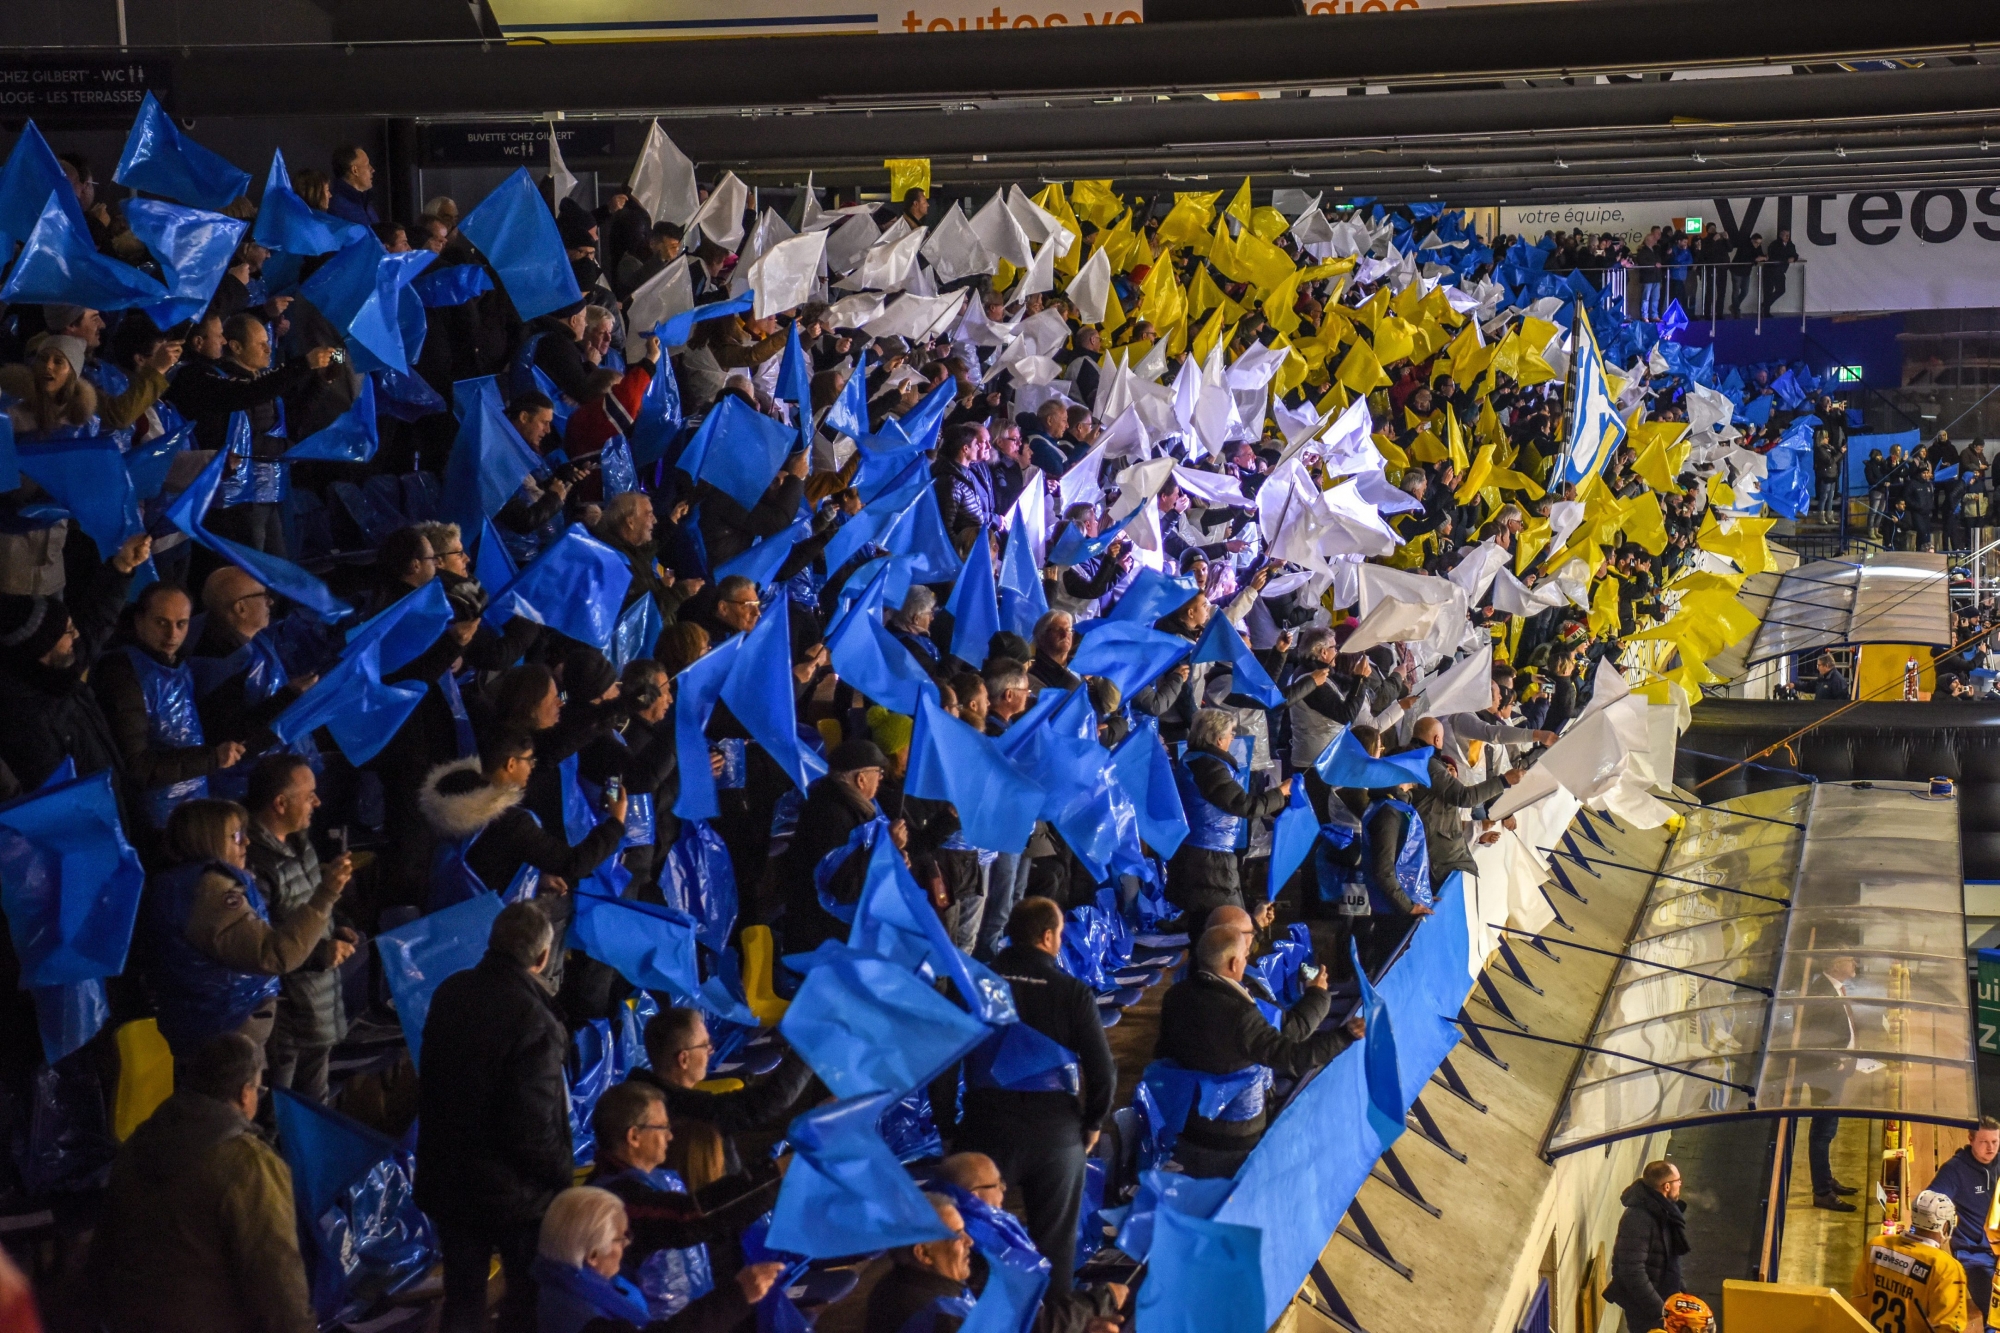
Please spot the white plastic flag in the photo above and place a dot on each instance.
(663, 180)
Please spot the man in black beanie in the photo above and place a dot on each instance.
(45, 650)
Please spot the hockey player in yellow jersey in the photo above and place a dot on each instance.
(1910, 1283)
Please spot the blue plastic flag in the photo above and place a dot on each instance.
(405, 630)
(406, 396)
(889, 463)
(1344, 763)
(1022, 598)
(695, 691)
(1202, 1277)
(489, 459)
(451, 284)
(159, 159)
(906, 521)
(1016, 1273)
(659, 417)
(148, 464)
(1129, 655)
(1292, 835)
(922, 424)
(69, 882)
(997, 800)
(1386, 1107)
(795, 384)
(59, 265)
(894, 921)
(416, 957)
(1169, 1191)
(868, 1025)
(194, 249)
(359, 291)
(31, 176)
(650, 946)
(676, 331)
(1943, 474)
(871, 527)
(353, 704)
(274, 572)
(1790, 396)
(326, 1151)
(638, 632)
(351, 437)
(874, 661)
(845, 1193)
(1151, 595)
(1675, 321)
(516, 233)
(576, 587)
(10, 467)
(765, 557)
(1221, 643)
(1146, 772)
(88, 477)
(1758, 412)
(759, 691)
(289, 225)
(737, 450)
(491, 564)
(974, 606)
(1073, 547)
(1058, 747)
(849, 414)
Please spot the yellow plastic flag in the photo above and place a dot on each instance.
(1279, 304)
(1334, 400)
(1707, 581)
(1188, 222)
(1239, 206)
(1264, 263)
(1114, 313)
(1508, 479)
(1404, 303)
(1268, 223)
(1745, 543)
(1161, 299)
(1428, 448)
(1051, 199)
(1389, 449)
(1291, 374)
(1211, 334)
(1468, 368)
(1468, 341)
(1222, 253)
(1096, 201)
(1371, 310)
(1529, 544)
(1455, 441)
(1393, 342)
(1120, 243)
(907, 174)
(1477, 476)
(1203, 294)
(1360, 371)
(1604, 619)
(1645, 524)
(1531, 368)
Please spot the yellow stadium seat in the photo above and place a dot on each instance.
(145, 1076)
(759, 962)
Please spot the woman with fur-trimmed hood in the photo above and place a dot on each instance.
(486, 835)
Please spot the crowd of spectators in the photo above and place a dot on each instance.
(273, 864)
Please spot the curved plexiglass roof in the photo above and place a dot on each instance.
(1775, 904)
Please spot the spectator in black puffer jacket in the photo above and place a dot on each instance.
(1652, 1237)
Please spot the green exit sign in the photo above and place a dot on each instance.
(1847, 374)
(1989, 1000)
(1693, 227)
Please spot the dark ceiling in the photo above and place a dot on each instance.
(1474, 105)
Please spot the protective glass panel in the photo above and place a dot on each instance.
(1893, 597)
(1800, 948)
(1811, 609)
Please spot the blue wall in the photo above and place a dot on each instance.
(1865, 341)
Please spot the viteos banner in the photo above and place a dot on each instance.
(657, 20)
(1887, 250)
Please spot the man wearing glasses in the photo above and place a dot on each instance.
(678, 1049)
(240, 685)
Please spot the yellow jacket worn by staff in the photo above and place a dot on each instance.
(1906, 1285)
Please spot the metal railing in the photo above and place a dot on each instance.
(1708, 293)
